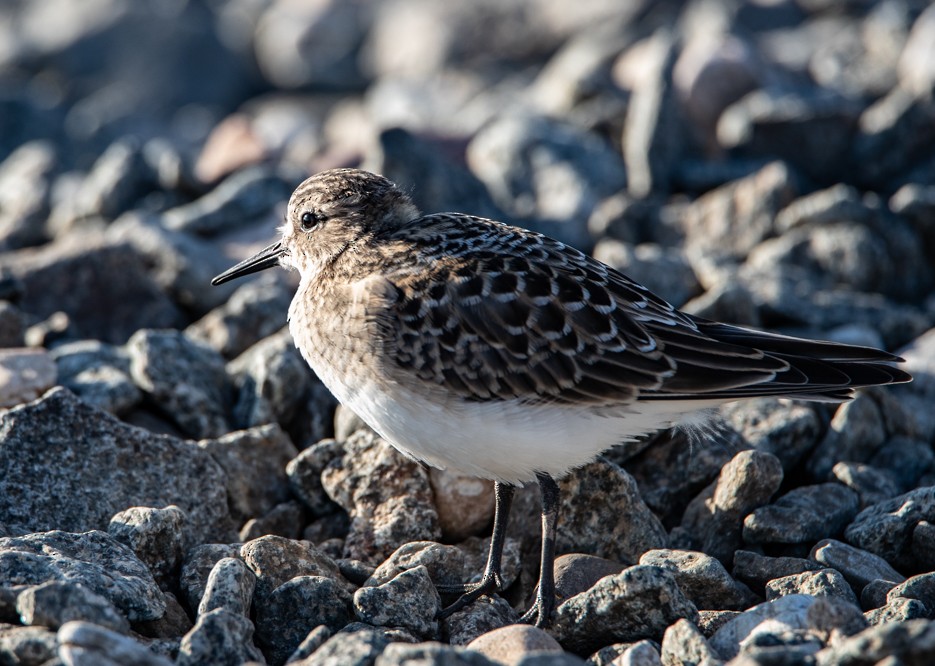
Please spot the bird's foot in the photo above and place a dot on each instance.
(470, 592)
(540, 613)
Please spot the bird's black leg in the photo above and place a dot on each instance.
(541, 611)
(491, 581)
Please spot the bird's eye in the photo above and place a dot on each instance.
(310, 220)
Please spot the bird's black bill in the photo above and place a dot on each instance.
(265, 258)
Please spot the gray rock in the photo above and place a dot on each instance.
(293, 48)
(25, 374)
(103, 287)
(275, 384)
(857, 431)
(155, 535)
(911, 642)
(314, 640)
(640, 602)
(486, 615)
(12, 325)
(230, 586)
(437, 182)
(683, 643)
(409, 601)
(710, 621)
(675, 467)
(102, 466)
(199, 563)
(276, 560)
(874, 593)
(923, 544)
(788, 430)
(293, 609)
(93, 559)
(858, 566)
(871, 484)
(245, 197)
(116, 180)
(898, 610)
(653, 132)
(794, 618)
(734, 218)
(97, 373)
(898, 119)
(641, 653)
(906, 459)
(702, 579)
(168, 629)
(353, 648)
(602, 513)
(399, 654)
(27, 645)
(181, 264)
(546, 173)
(285, 519)
(254, 462)
(886, 529)
(712, 522)
(768, 122)
(185, 379)
(921, 587)
(86, 644)
(219, 637)
(388, 497)
(575, 573)
(757, 570)
(802, 515)
(304, 474)
(255, 311)
(54, 603)
(822, 583)
(25, 177)
(444, 564)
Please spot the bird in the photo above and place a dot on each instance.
(494, 351)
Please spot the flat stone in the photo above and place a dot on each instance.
(802, 515)
(858, 566)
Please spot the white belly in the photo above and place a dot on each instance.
(504, 441)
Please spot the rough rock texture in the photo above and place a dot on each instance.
(103, 467)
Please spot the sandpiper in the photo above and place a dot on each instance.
(476, 346)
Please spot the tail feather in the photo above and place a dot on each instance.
(813, 369)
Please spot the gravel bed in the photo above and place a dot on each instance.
(177, 487)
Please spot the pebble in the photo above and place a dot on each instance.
(639, 602)
(408, 601)
(886, 529)
(683, 643)
(218, 637)
(824, 582)
(483, 616)
(230, 586)
(186, 379)
(56, 602)
(702, 579)
(858, 566)
(155, 535)
(254, 462)
(464, 504)
(576, 573)
(388, 508)
(97, 373)
(276, 560)
(293, 609)
(802, 515)
(602, 513)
